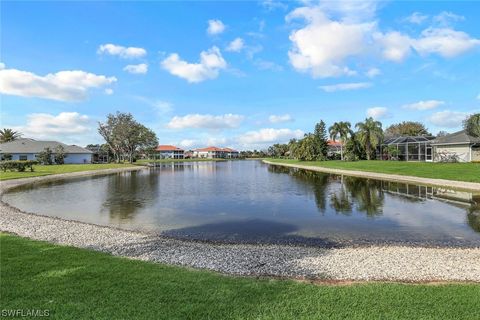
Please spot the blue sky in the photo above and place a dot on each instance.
(239, 74)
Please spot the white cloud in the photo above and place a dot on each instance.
(267, 65)
(141, 68)
(445, 42)
(271, 5)
(322, 46)
(122, 52)
(395, 45)
(108, 91)
(236, 45)
(416, 18)
(215, 27)
(42, 125)
(159, 106)
(187, 143)
(206, 121)
(445, 18)
(448, 119)
(346, 86)
(378, 112)
(373, 72)
(211, 62)
(269, 135)
(62, 86)
(424, 105)
(280, 118)
(2, 65)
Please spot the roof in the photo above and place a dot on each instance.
(212, 149)
(334, 143)
(408, 139)
(209, 149)
(25, 145)
(166, 147)
(460, 137)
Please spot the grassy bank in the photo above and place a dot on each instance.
(79, 284)
(451, 171)
(41, 170)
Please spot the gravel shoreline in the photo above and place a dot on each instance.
(381, 263)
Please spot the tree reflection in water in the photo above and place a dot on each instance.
(346, 193)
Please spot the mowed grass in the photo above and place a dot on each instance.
(41, 170)
(451, 171)
(78, 284)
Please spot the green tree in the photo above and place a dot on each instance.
(320, 135)
(340, 130)
(370, 135)
(45, 157)
(307, 148)
(59, 156)
(472, 125)
(7, 135)
(406, 128)
(125, 136)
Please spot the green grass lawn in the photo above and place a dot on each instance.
(41, 170)
(451, 171)
(80, 284)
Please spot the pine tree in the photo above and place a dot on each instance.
(321, 140)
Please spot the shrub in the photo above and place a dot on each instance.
(45, 157)
(17, 165)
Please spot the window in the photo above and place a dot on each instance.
(23, 157)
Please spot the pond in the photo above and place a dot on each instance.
(252, 202)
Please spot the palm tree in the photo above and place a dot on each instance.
(7, 135)
(340, 130)
(370, 134)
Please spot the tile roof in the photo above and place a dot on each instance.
(166, 147)
(26, 145)
(212, 149)
(334, 143)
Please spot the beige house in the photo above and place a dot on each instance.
(459, 144)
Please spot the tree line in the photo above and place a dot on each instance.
(358, 142)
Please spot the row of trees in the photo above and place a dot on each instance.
(357, 144)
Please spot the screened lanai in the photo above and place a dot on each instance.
(409, 148)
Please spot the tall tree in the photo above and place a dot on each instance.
(406, 128)
(320, 135)
(125, 136)
(7, 135)
(472, 125)
(370, 135)
(340, 130)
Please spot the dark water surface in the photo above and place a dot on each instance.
(248, 201)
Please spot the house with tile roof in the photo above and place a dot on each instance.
(215, 153)
(169, 152)
(28, 149)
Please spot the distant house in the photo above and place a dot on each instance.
(169, 152)
(334, 147)
(231, 153)
(215, 153)
(28, 149)
(209, 152)
(465, 147)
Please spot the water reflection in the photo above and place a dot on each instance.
(248, 201)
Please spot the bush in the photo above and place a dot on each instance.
(17, 165)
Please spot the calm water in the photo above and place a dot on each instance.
(248, 201)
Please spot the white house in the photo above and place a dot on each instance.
(169, 152)
(214, 152)
(28, 149)
(460, 144)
